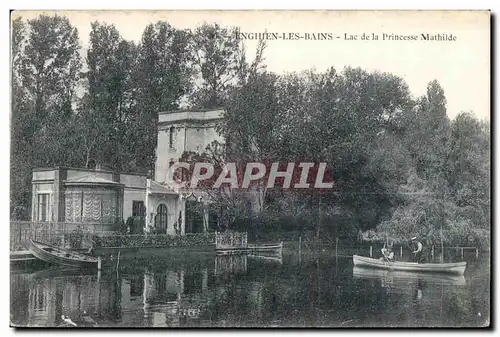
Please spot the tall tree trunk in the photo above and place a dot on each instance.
(318, 226)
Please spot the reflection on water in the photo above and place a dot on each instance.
(228, 291)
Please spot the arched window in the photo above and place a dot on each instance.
(161, 216)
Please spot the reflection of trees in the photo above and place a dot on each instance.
(116, 308)
(317, 292)
(19, 295)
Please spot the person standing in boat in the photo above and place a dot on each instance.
(418, 247)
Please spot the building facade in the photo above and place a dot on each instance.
(98, 198)
(184, 131)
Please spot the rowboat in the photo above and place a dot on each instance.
(273, 248)
(276, 248)
(403, 277)
(452, 268)
(61, 256)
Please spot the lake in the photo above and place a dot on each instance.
(313, 289)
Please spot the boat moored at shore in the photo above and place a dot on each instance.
(61, 256)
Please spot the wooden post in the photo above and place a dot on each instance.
(336, 246)
(300, 244)
(401, 251)
(118, 260)
(99, 262)
(371, 251)
(477, 253)
(432, 251)
(462, 253)
(442, 243)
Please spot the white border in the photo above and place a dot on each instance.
(185, 4)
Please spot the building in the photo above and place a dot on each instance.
(98, 198)
(184, 131)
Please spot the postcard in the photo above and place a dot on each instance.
(234, 169)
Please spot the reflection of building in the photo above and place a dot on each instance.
(230, 264)
(173, 298)
(49, 298)
(98, 197)
(194, 293)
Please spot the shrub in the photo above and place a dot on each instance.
(76, 238)
(130, 224)
(120, 226)
(156, 230)
(194, 239)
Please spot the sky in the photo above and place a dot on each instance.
(462, 67)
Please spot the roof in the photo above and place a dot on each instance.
(83, 169)
(157, 188)
(91, 180)
(191, 110)
(200, 117)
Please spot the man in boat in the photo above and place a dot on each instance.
(387, 253)
(417, 250)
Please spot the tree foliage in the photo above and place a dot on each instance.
(400, 166)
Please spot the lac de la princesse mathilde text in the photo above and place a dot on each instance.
(291, 36)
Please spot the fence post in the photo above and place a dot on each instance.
(336, 246)
(371, 251)
(462, 253)
(400, 251)
(477, 253)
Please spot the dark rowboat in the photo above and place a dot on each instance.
(61, 256)
(451, 268)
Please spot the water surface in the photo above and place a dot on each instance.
(202, 290)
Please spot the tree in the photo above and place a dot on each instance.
(19, 177)
(220, 60)
(46, 65)
(105, 109)
(163, 77)
(446, 196)
(50, 66)
(428, 132)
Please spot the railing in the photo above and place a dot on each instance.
(228, 240)
(61, 226)
(84, 236)
(68, 235)
(61, 238)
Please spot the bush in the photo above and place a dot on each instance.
(135, 225)
(120, 226)
(158, 240)
(156, 230)
(76, 238)
(130, 224)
